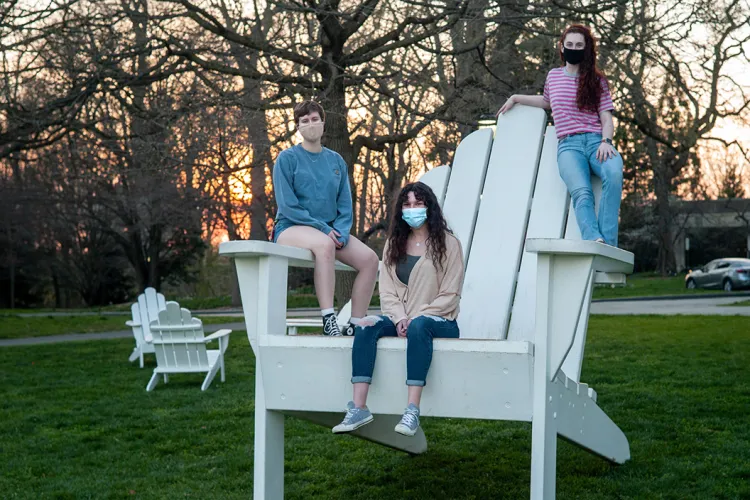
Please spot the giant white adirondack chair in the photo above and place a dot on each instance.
(145, 310)
(524, 313)
(180, 346)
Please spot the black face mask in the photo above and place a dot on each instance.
(573, 56)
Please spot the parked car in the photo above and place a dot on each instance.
(727, 274)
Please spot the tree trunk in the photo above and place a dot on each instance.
(256, 125)
(11, 260)
(662, 183)
(337, 132)
(474, 101)
(56, 289)
(337, 139)
(362, 208)
(232, 234)
(343, 289)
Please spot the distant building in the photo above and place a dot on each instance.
(708, 214)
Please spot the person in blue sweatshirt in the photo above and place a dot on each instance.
(311, 184)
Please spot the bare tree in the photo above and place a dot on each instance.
(672, 70)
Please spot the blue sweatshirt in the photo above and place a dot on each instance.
(312, 189)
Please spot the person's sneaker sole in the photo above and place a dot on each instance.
(405, 431)
(340, 429)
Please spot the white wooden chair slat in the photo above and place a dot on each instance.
(180, 346)
(152, 300)
(501, 225)
(137, 324)
(490, 360)
(550, 193)
(437, 179)
(462, 199)
(144, 310)
(515, 379)
(297, 257)
(145, 318)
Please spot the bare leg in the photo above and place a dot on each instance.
(324, 249)
(415, 394)
(360, 394)
(361, 257)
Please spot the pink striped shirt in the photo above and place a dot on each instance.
(560, 90)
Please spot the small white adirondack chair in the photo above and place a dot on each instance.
(145, 310)
(180, 346)
(523, 320)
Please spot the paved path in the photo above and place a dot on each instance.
(708, 306)
(714, 306)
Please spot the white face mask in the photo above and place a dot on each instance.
(311, 131)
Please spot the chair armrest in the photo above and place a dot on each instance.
(607, 259)
(132, 323)
(297, 257)
(216, 335)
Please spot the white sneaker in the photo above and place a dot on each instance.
(354, 419)
(409, 421)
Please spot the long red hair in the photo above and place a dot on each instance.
(590, 78)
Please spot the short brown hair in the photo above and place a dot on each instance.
(307, 107)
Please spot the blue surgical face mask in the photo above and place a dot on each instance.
(415, 217)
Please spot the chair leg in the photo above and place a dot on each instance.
(166, 378)
(221, 360)
(134, 355)
(152, 383)
(544, 443)
(545, 397)
(268, 483)
(141, 356)
(210, 376)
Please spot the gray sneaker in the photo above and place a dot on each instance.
(354, 419)
(409, 421)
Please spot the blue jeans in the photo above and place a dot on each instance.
(419, 337)
(576, 159)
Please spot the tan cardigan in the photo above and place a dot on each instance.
(430, 292)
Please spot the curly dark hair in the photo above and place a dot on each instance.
(305, 108)
(590, 79)
(399, 231)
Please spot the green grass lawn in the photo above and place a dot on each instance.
(742, 303)
(78, 423)
(294, 300)
(13, 327)
(648, 285)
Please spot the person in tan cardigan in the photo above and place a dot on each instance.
(420, 290)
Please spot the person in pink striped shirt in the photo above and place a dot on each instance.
(581, 104)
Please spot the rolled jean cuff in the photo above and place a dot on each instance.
(360, 380)
(420, 383)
